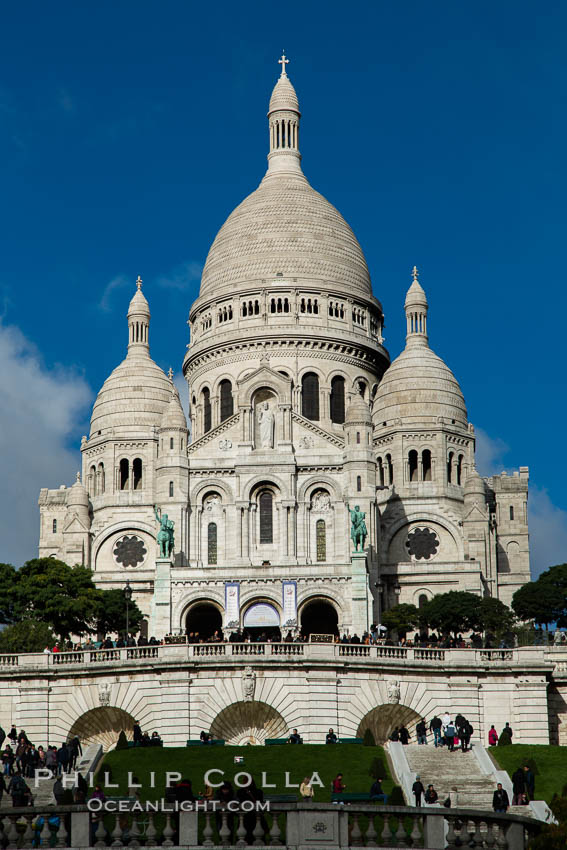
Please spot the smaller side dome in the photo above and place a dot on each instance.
(139, 303)
(416, 296)
(284, 96)
(77, 496)
(475, 490)
(358, 412)
(173, 416)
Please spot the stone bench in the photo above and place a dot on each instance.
(354, 797)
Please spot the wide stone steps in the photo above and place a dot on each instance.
(448, 770)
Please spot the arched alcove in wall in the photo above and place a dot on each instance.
(318, 616)
(383, 719)
(102, 726)
(248, 723)
(203, 619)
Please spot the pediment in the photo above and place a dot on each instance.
(475, 514)
(264, 376)
(74, 524)
(308, 436)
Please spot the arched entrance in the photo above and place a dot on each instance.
(261, 621)
(383, 719)
(319, 618)
(248, 723)
(203, 620)
(102, 726)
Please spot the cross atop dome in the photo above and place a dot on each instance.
(415, 273)
(139, 282)
(170, 374)
(283, 62)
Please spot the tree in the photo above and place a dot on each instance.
(494, 616)
(456, 611)
(49, 591)
(544, 601)
(26, 636)
(111, 615)
(401, 618)
(8, 579)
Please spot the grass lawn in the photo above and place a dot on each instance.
(550, 765)
(352, 760)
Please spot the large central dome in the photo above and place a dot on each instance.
(285, 228)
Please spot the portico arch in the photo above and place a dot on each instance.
(248, 723)
(203, 617)
(102, 726)
(383, 719)
(319, 616)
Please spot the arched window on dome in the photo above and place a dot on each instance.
(321, 540)
(212, 543)
(124, 474)
(381, 478)
(310, 396)
(460, 470)
(206, 395)
(412, 462)
(390, 468)
(100, 480)
(92, 481)
(450, 467)
(226, 400)
(338, 400)
(426, 464)
(171, 489)
(137, 473)
(265, 503)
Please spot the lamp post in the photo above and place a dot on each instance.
(127, 596)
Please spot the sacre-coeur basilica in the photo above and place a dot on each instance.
(317, 483)
(297, 415)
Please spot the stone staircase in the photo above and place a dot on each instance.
(458, 770)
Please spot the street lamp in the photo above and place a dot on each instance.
(397, 589)
(127, 596)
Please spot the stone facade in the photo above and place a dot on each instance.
(295, 415)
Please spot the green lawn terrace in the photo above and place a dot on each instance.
(282, 767)
(549, 764)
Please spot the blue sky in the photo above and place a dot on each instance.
(130, 130)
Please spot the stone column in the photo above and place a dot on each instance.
(160, 618)
(359, 599)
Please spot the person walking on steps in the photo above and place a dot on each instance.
(435, 727)
(418, 790)
(500, 800)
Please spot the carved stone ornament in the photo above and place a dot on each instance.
(212, 503)
(248, 684)
(104, 695)
(305, 442)
(321, 502)
(225, 445)
(393, 691)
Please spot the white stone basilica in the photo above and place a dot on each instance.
(296, 416)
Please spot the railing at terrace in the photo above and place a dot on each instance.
(343, 653)
(291, 825)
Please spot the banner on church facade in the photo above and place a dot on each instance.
(289, 603)
(232, 604)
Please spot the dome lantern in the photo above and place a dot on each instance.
(283, 119)
(138, 322)
(416, 312)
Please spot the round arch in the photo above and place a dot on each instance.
(211, 484)
(318, 615)
(269, 480)
(422, 517)
(315, 481)
(102, 726)
(110, 531)
(204, 617)
(383, 719)
(248, 723)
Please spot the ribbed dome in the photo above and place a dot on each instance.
(137, 393)
(284, 96)
(358, 412)
(285, 227)
(419, 385)
(77, 496)
(474, 487)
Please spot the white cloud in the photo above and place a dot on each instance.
(117, 282)
(41, 409)
(182, 276)
(489, 453)
(548, 531)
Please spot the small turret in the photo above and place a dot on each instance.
(138, 322)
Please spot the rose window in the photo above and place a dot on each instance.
(130, 551)
(422, 543)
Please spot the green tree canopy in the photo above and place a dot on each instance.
(544, 601)
(26, 636)
(460, 611)
(112, 613)
(49, 591)
(8, 580)
(401, 618)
